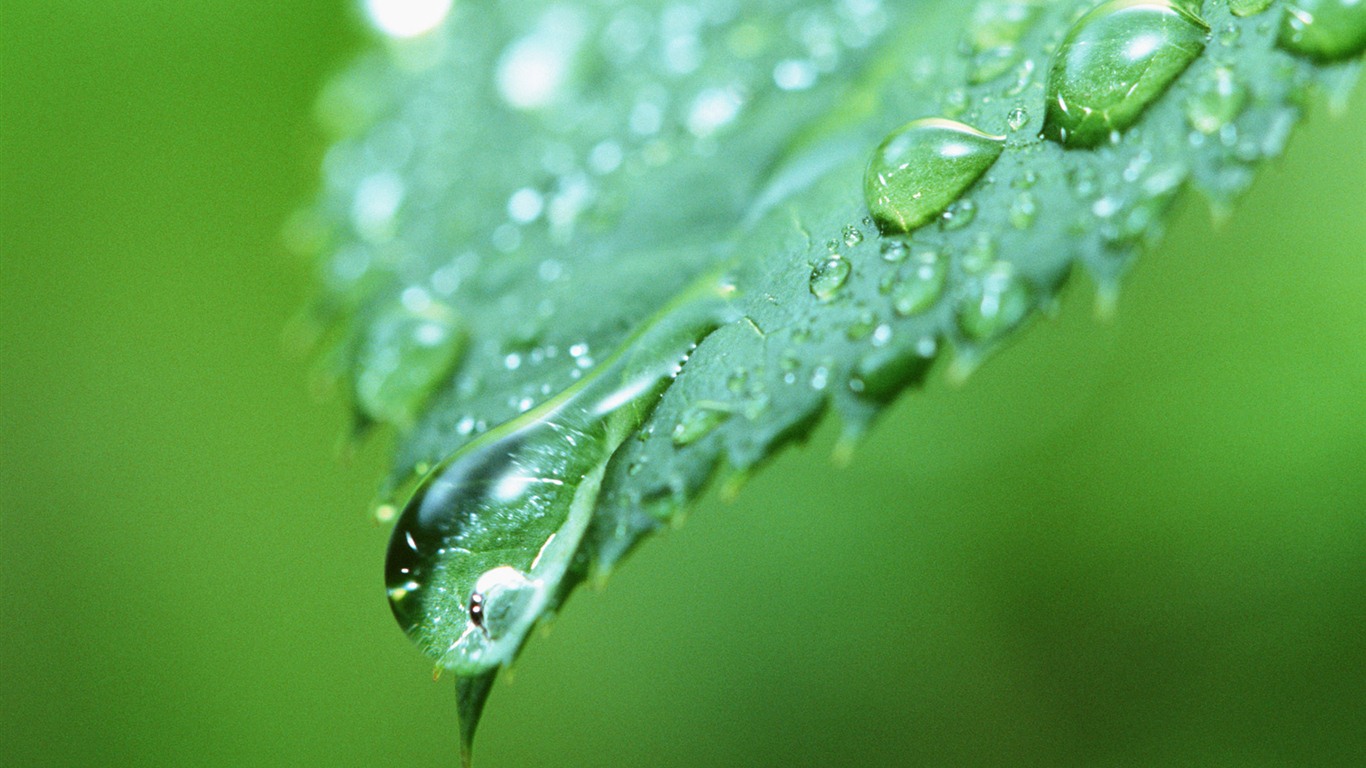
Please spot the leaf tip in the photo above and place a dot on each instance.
(471, 694)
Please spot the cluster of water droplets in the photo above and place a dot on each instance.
(618, 91)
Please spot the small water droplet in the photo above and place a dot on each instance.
(922, 168)
(923, 286)
(1216, 102)
(895, 250)
(1018, 118)
(852, 236)
(829, 276)
(995, 303)
(697, 422)
(1324, 30)
(959, 214)
(1025, 180)
(1114, 62)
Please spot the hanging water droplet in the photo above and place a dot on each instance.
(1216, 103)
(1114, 62)
(995, 303)
(488, 536)
(887, 371)
(923, 286)
(1248, 7)
(922, 168)
(829, 276)
(1324, 30)
(697, 422)
(863, 326)
(409, 350)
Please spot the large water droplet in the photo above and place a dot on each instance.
(922, 168)
(490, 533)
(829, 276)
(410, 349)
(1325, 30)
(1114, 62)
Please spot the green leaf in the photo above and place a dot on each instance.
(532, 214)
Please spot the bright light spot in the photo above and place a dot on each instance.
(794, 74)
(525, 205)
(406, 18)
(377, 199)
(712, 109)
(534, 68)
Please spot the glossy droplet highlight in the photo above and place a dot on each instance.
(922, 168)
(1114, 62)
(995, 303)
(409, 351)
(1324, 30)
(829, 276)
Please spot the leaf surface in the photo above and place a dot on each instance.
(512, 196)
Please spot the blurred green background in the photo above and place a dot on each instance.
(1136, 543)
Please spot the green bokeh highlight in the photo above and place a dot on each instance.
(1135, 543)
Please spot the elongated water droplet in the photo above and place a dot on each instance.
(410, 349)
(1216, 103)
(829, 276)
(922, 168)
(923, 287)
(1114, 62)
(1324, 30)
(996, 303)
(697, 422)
(489, 534)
